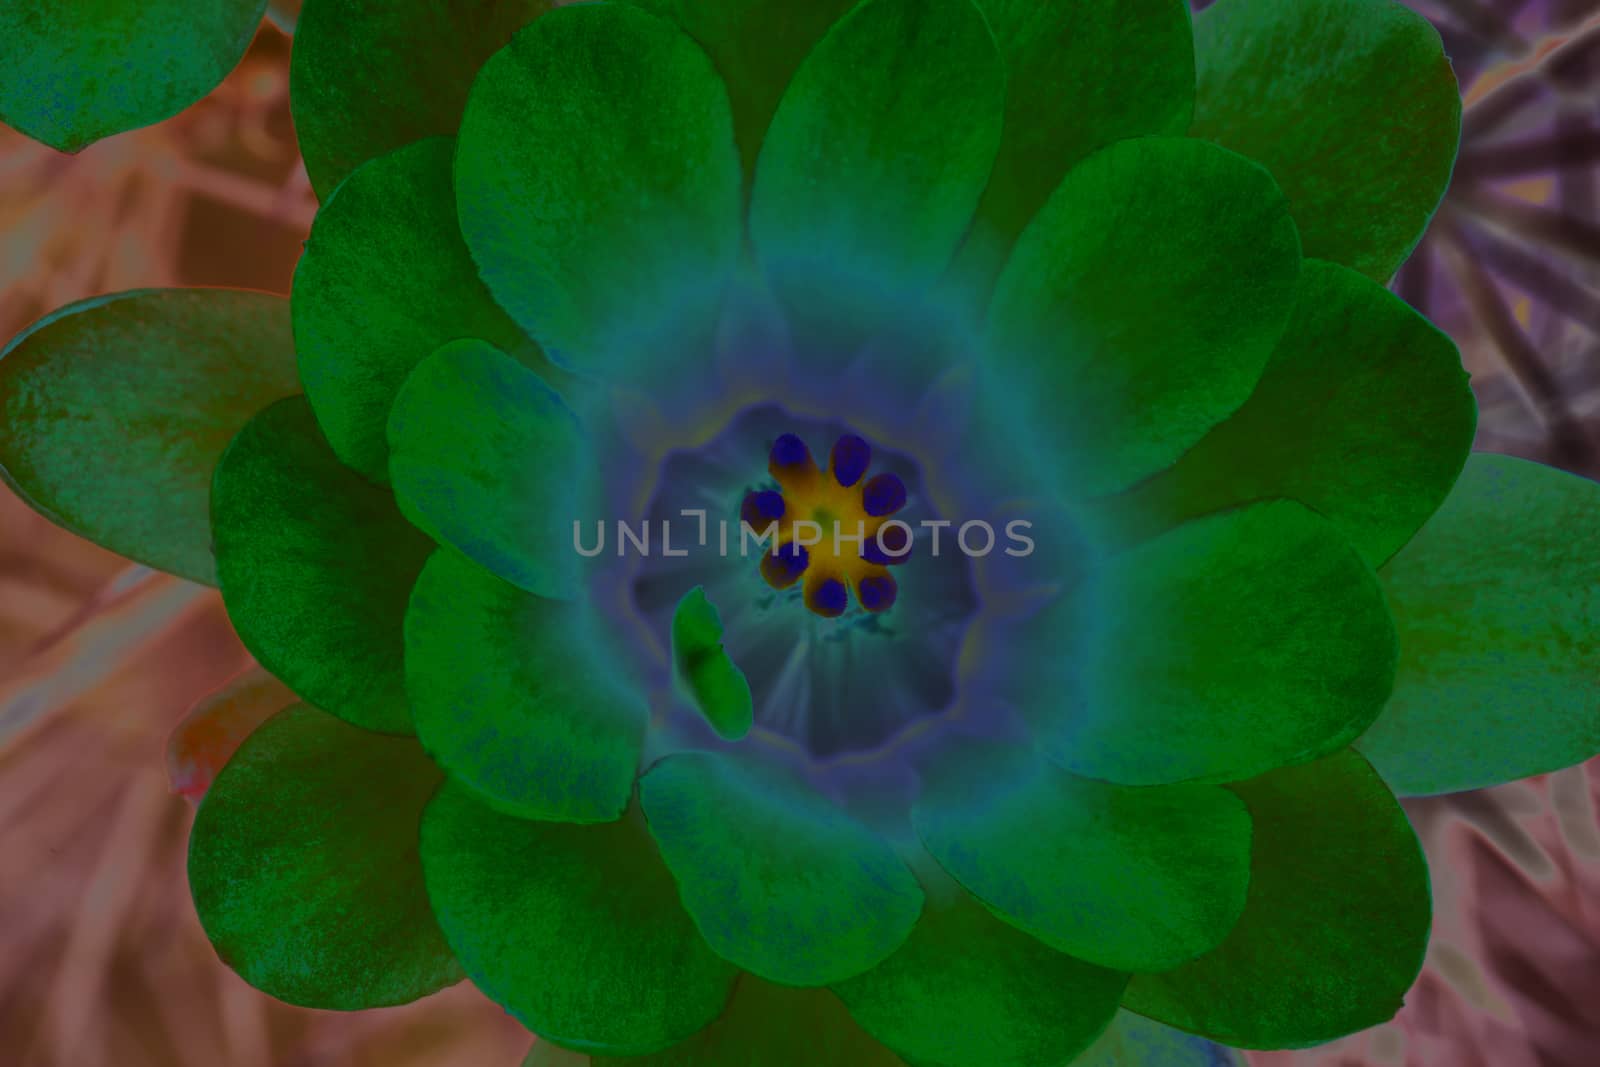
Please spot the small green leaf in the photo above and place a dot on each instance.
(507, 695)
(1134, 879)
(113, 412)
(779, 881)
(77, 72)
(1497, 602)
(303, 865)
(369, 76)
(1350, 103)
(715, 683)
(384, 281)
(967, 990)
(316, 566)
(1141, 305)
(1334, 931)
(574, 930)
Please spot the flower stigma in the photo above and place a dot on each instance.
(833, 530)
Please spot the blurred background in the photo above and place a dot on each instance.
(101, 959)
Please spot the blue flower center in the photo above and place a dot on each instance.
(875, 427)
(847, 636)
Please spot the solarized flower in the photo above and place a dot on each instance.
(1076, 269)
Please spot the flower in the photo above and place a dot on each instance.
(1073, 274)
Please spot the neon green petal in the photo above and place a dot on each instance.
(757, 46)
(1367, 410)
(316, 566)
(1350, 103)
(1134, 879)
(597, 180)
(384, 281)
(1141, 306)
(967, 990)
(1497, 602)
(369, 76)
(1227, 647)
(779, 881)
(765, 1025)
(1079, 75)
(483, 456)
(1336, 925)
(508, 697)
(113, 412)
(882, 145)
(575, 930)
(303, 865)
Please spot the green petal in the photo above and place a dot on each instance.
(483, 456)
(1142, 304)
(1231, 645)
(597, 179)
(1134, 1041)
(316, 567)
(967, 989)
(75, 73)
(575, 930)
(113, 412)
(1497, 602)
(369, 76)
(384, 281)
(1350, 103)
(1364, 414)
(765, 1025)
(1336, 925)
(757, 45)
(779, 881)
(303, 865)
(715, 683)
(882, 144)
(507, 696)
(1136, 879)
(1081, 74)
